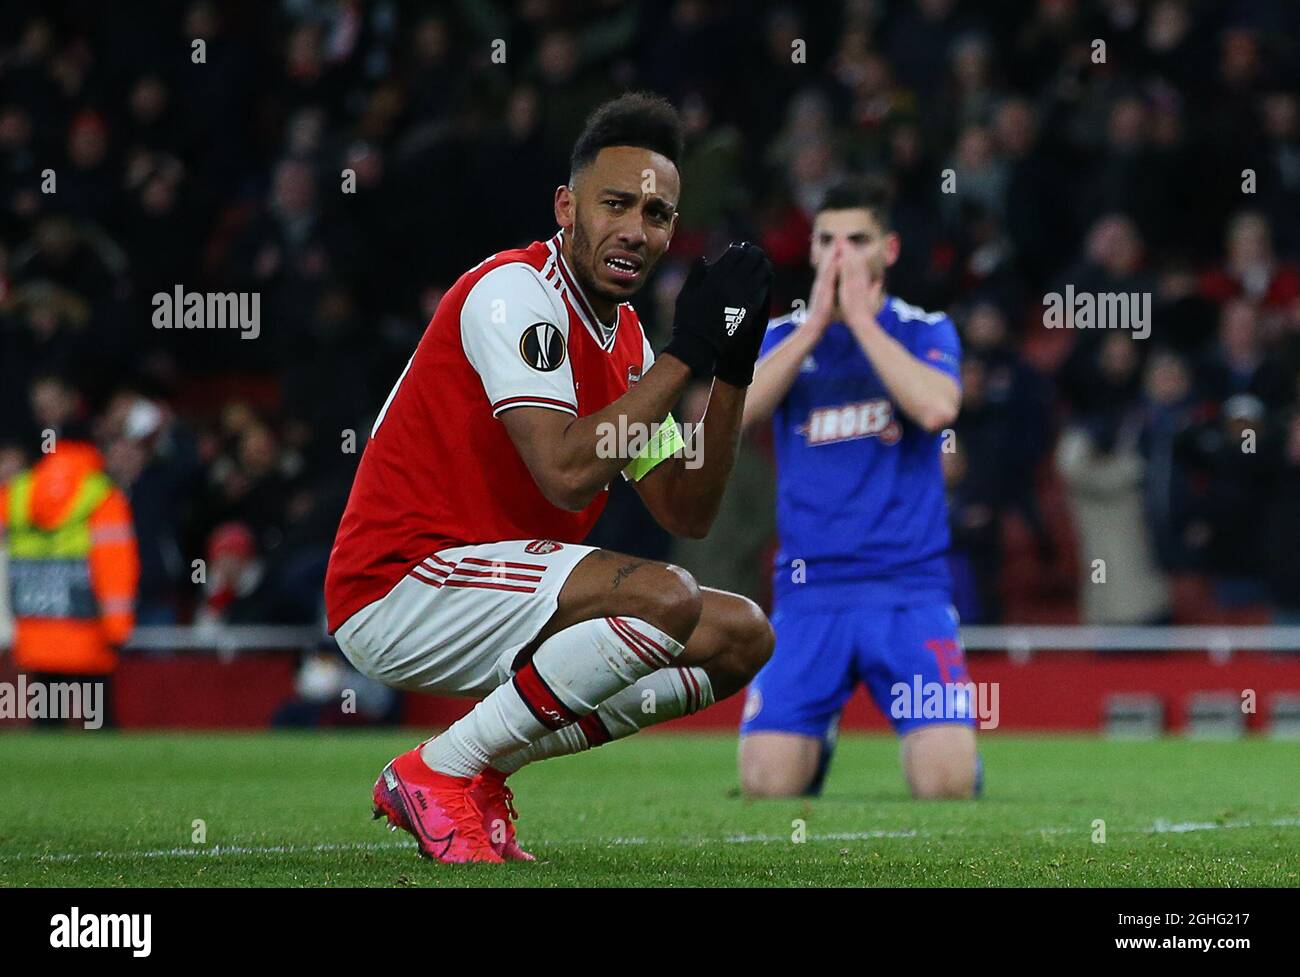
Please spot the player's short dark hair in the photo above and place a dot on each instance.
(860, 193)
(634, 119)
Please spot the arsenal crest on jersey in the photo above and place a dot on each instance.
(633, 375)
(540, 547)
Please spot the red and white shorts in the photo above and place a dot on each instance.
(455, 623)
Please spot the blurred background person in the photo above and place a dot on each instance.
(72, 565)
(1120, 580)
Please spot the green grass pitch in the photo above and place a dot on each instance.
(109, 809)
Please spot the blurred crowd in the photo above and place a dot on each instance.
(348, 160)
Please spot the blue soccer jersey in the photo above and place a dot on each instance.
(860, 495)
(862, 589)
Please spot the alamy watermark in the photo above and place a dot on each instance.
(75, 930)
(179, 309)
(634, 439)
(53, 700)
(955, 701)
(1098, 310)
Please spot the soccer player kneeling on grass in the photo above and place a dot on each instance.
(859, 389)
(459, 566)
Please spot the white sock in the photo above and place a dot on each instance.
(663, 695)
(569, 676)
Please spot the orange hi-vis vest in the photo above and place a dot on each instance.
(73, 564)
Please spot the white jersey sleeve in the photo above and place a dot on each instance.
(516, 336)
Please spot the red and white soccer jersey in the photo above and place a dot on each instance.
(440, 470)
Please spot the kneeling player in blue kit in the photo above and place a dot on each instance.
(860, 388)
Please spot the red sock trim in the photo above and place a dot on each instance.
(594, 730)
(541, 701)
(650, 652)
(694, 694)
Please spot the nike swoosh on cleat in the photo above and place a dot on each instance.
(416, 824)
(448, 838)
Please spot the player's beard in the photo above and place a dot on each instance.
(583, 255)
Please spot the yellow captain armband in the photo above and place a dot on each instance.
(665, 441)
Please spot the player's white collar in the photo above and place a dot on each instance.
(603, 334)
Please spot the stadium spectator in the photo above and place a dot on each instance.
(328, 691)
(1120, 581)
(152, 456)
(975, 557)
(1238, 361)
(1170, 409)
(234, 585)
(1225, 453)
(1251, 270)
(72, 565)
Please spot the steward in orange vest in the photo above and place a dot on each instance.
(73, 563)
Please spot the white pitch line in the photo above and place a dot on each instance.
(1170, 827)
(833, 836)
(218, 851)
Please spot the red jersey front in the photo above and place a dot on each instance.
(440, 469)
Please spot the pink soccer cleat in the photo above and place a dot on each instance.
(497, 802)
(436, 808)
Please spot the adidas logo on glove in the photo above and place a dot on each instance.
(734, 318)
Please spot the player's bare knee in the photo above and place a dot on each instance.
(767, 783)
(943, 778)
(671, 601)
(957, 787)
(751, 639)
(779, 772)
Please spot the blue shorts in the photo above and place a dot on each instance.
(910, 657)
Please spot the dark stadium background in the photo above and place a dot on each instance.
(1122, 176)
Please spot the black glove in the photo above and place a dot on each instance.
(736, 363)
(718, 308)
